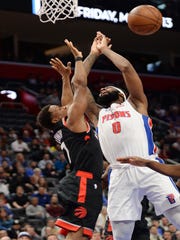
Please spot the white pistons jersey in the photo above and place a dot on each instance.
(124, 132)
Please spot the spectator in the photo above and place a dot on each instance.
(12, 135)
(5, 238)
(4, 157)
(20, 158)
(160, 111)
(4, 180)
(173, 230)
(15, 229)
(3, 233)
(53, 237)
(36, 150)
(19, 179)
(177, 235)
(43, 196)
(46, 159)
(156, 223)
(154, 235)
(30, 168)
(4, 204)
(34, 180)
(49, 228)
(26, 137)
(7, 167)
(34, 210)
(60, 164)
(49, 171)
(3, 174)
(24, 236)
(54, 209)
(28, 127)
(19, 146)
(4, 186)
(37, 174)
(20, 199)
(167, 235)
(4, 201)
(32, 232)
(44, 137)
(43, 182)
(4, 143)
(6, 220)
(164, 223)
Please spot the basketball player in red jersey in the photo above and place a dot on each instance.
(80, 191)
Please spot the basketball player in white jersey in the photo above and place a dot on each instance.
(124, 130)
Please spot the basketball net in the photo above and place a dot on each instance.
(53, 10)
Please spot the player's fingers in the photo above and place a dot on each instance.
(52, 60)
(108, 39)
(66, 41)
(69, 43)
(58, 60)
(55, 68)
(99, 33)
(69, 64)
(110, 46)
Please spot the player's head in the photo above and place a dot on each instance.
(50, 115)
(110, 94)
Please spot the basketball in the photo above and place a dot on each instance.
(144, 20)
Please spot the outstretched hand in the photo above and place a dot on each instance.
(64, 71)
(94, 49)
(136, 161)
(73, 49)
(102, 41)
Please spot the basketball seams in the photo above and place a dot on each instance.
(147, 17)
(158, 16)
(144, 19)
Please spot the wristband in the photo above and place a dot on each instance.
(78, 59)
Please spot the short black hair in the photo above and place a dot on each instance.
(44, 118)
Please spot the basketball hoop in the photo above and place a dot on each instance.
(53, 10)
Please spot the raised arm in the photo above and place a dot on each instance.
(93, 108)
(169, 170)
(76, 121)
(65, 72)
(130, 76)
(92, 56)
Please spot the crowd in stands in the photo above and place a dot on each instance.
(31, 165)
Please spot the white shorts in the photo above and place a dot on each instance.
(129, 185)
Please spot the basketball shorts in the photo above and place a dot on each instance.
(129, 185)
(77, 214)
